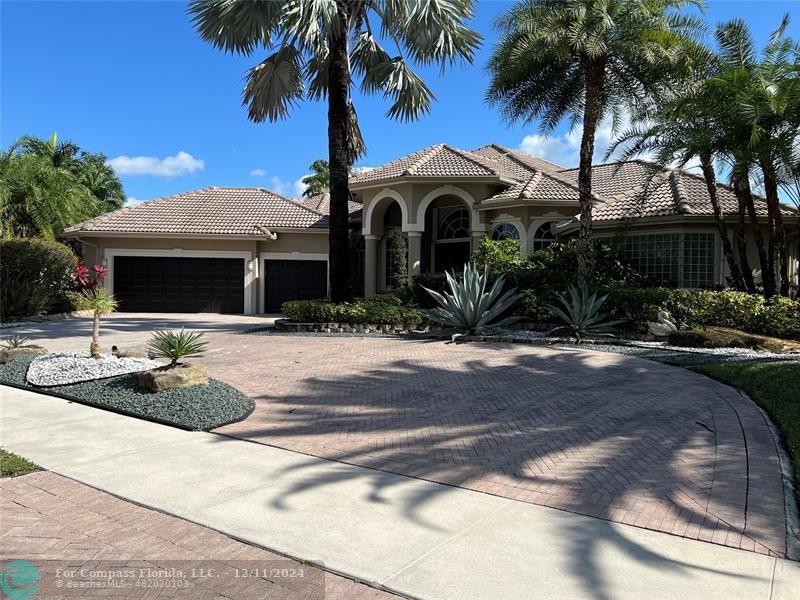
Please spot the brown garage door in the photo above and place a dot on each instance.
(293, 280)
(186, 285)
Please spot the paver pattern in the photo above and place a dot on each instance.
(605, 435)
(55, 522)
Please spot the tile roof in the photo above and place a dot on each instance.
(322, 203)
(440, 160)
(638, 189)
(208, 211)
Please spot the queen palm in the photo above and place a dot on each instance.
(317, 46)
(584, 61)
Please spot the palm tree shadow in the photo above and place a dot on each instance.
(565, 429)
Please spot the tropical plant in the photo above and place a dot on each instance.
(100, 302)
(581, 313)
(468, 307)
(88, 279)
(176, 345)
(319, 182)
(585, 61)
(397, 248)
(15, 341)
(318, 47)
(35, 276)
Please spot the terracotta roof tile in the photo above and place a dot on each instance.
(209, 211)
(322, 203)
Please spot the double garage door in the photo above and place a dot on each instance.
(196, 285)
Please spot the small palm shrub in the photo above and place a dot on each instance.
(176, 345)
(581, 313)
(14, 342)
(100, 302)
(468, 306)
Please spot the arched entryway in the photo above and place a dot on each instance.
(385, 245)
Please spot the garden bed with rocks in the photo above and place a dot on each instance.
(196, 408)
(73, 367)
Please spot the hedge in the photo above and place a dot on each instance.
(36, 275)
(384, 309)
(778, 317)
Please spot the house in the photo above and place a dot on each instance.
(248, 250)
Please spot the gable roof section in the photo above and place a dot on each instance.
(440, 160)
(208, 211)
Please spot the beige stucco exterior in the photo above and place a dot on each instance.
(288, 245)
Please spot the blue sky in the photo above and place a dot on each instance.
(133, 80)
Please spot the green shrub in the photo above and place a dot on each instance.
(497, 256)
(778, 317)
(384, 309)
(176, 345)
(35, 276)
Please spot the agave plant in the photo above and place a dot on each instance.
(14, 342)
(581, 313)
(469, 307)
(176, 345)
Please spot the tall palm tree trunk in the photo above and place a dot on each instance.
(591, 118)
(741, 187)
(338, 159)
(777, 232)
(719, 220)
(741, 244)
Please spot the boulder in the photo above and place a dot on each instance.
(722, 337)
(9, 354)
(165, 378)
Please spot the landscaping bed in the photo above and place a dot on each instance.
(196, 408)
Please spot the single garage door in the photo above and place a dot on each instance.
(186, 285)
(293, 280)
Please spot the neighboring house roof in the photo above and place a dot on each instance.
(208, 211)
(322, 204)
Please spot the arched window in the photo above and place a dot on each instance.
(543, 236)
(505, 231)
(454, 225)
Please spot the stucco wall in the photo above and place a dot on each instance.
(98, 249)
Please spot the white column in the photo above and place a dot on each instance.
(414, 255)
(371, 264)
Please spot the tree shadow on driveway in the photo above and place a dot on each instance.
(608, 436)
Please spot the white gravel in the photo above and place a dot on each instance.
(740, 352)
(67, 367)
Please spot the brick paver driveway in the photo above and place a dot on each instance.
(605, 435)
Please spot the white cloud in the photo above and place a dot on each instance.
(359, 170)
(182, 163)
(293, 189)
(258, 173)
(564, 149)
(130, 201)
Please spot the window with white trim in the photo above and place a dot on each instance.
(505, 231)
(543, 236)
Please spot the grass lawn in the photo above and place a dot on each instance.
(774, 386)
(12, 465)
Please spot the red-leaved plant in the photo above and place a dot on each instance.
(89, 279)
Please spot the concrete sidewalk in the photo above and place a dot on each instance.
(414, 537)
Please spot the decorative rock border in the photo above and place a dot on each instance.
(287, 325)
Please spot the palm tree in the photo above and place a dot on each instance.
(585, 61)
(771, 107)
(318, 46)
(62, 154)
(319, 182)
(100, 302)
(680, 129)
(38, 199)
